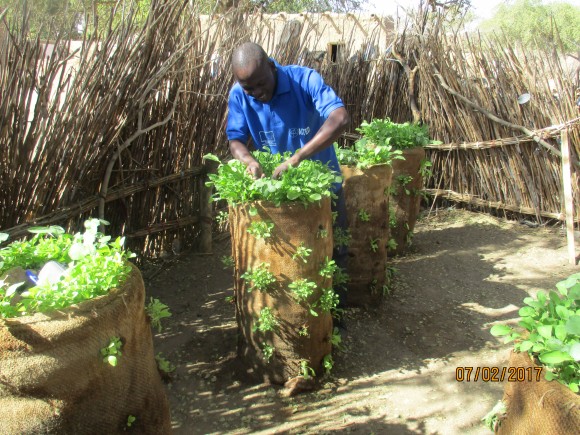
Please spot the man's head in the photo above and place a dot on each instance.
(254, 71)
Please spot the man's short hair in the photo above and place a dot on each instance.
(249, 53)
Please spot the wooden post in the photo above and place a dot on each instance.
(568, 199)
(206, 211)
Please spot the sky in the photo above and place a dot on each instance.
(482, 8)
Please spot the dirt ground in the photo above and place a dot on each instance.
(465, 272)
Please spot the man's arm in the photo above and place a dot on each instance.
(240, 152)
(330, 131)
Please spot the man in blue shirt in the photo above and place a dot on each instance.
(284, 108)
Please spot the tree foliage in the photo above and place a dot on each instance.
(49, 19)
(531, 23)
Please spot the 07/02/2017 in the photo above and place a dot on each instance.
(498, 374)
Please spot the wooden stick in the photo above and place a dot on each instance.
(568, 199)
(470, 199)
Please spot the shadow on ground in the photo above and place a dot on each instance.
(464, 272)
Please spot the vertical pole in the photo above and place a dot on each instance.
(568, 199)
(206, 210)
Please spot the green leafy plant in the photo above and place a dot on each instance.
(374, 244)
(328, 268)
(328, 363)
(306, 183)
(328, 300)
(303, 331)
(492, 419)
(425, 168)
(260, 278)
(322, 233)
(302, 289)
(112, 351)
(306, 371)
(163, 364)
(302, 253)
(267, 352)
(94, 265)
(222, 219)
(156, 311)
(266, 321)
(130, 420)
(403, 181)
(341, 237)
(336, 339)
(340, 277)
(392, 216)
(261, 229)
(552, 324)
(363, 215)
(392, 244)
(227, 261)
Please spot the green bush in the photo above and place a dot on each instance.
(552, 331)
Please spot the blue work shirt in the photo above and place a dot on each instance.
(300, 105)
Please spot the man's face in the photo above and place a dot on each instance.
(258, 80)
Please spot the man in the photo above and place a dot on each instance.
(285, 108)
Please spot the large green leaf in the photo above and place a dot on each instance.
(573, 325)
(545, 331)
(555, 357)
(500, 330)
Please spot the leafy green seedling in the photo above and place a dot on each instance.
(303, 331)
(163, 364)
(302, 253)
(403, 181)
(112, 351)
(492, 419)
(341, 237)
(322, 233)
(306, 371)
(227, 261)
(363, 215)
(328, 363)
(328, 268)
(328, 300)
(261, 229)
(374, 244)
(392, 244)
(336, 339)
(260, 278)
(302, 289)
(425, 168)
(266, 321)
(267, 352)
(340, 277)
(130, 420)
(156, 311)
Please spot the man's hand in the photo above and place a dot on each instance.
(255, 170)
(292, 161)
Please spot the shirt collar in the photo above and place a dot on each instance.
(283, 85)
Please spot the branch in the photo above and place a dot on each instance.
(410, 73)
(140, 131)
(494, 118)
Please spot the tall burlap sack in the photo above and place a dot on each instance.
(405, 206)
(367, 189)
(538, 406)
(53, 378)
(294, 224)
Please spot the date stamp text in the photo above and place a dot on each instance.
(498, 374)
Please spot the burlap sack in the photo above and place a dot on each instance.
(53, 378)
(367, 190)
(406, 206)
(294, 224)
(538, 407)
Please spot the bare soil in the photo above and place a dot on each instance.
(464, 272)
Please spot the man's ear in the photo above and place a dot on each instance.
(272, 65)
